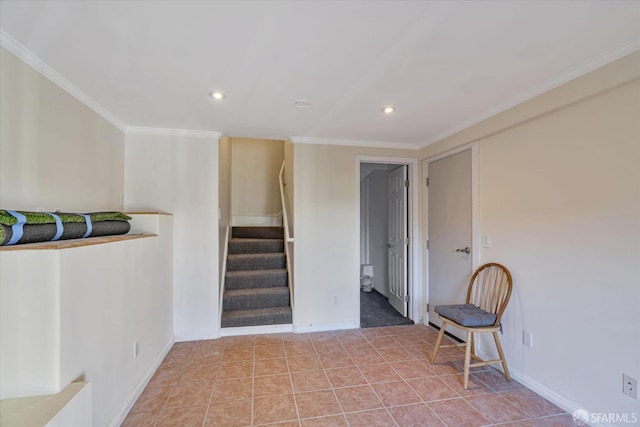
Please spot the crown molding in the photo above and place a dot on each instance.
(353, 143)
(13, 46)
(141, 130)
(592, 65)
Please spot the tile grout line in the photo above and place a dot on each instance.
(293, 392)
(398, 374)
(451, 388)
(331, 385)
(253, 382)
(213, 387)
(422, 401)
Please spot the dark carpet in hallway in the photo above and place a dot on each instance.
(375, 311)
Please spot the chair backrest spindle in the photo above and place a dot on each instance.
(490, 289)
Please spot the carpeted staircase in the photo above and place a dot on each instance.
(256, 290)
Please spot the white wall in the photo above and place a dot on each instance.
(559, 192)
(288, 182)
(113, 295)
(577, 225)
(326, 230)
(76, 317)
(55, 153)
(254, 176)
(29, 366)
(179, 174)
(288, 194)
(224, 203)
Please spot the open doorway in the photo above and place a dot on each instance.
(386, 255)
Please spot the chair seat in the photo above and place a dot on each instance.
(466, 315)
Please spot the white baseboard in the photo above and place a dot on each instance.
(198, 335)
(553, 396)
(137, 391)
(323, 327)
(266, 329)
(274, 220)
(257, 330)
(543, 390)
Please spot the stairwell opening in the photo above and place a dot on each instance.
(255, 284)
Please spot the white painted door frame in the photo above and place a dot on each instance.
(475, 230)
(417, 303)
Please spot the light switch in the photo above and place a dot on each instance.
(486, 240)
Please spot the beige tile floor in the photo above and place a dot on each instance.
(361, 377)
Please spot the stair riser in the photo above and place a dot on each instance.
(266, 246)
(248, 302)
(271, 281)
(270, 262)
(258, 232)
(279, 319)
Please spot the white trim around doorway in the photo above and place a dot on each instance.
(417, 304)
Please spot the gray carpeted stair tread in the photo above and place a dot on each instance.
(268, 261)
(253, 239)
(247, 299)
(258, 232)
(256, 317)
(250, 245)
(257, 291)
(274, 271)
(244, 279)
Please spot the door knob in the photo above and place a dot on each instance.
(466, 250)
(389, 245)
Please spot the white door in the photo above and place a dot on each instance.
(449, 231)
(398, 239)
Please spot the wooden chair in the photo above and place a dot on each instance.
(487, 297)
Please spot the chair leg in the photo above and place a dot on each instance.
(438, 340)
(500, 352)
(467, 359)
(473, 345)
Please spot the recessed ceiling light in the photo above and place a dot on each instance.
(216, 94)
(388, 110)
(302, 103)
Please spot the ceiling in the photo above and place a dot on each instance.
(444, 65)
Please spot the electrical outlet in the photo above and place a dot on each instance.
(527, 339)
(630, 386)
(335, 300)
(136, 349)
